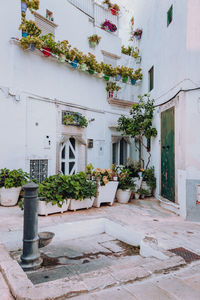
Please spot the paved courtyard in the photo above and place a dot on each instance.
(140, 278)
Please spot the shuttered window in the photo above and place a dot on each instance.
(44, 24)
(170, 15)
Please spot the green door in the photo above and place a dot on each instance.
(167, 155)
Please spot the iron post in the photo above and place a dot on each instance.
(30, 259)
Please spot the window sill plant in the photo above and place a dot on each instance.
(94, 40)
(108, 26)
(74, 119)
(115, 9)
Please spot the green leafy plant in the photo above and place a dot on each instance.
(76, 119)
(112, 86)
(49, 42)
(141, 192)
(125, 180)
(26, 42)
(32, 4)
(94, 38)
(149, 177)
(30, 27)
(131, 51)
(14, 178)
(140, 123)
(134, 167)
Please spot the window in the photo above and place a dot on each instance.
(45, 24)
(119, 151)
(151, 79)
(69, 157)
(170, 15)
(39, 169)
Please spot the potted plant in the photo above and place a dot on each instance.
(149, 181)
(30, 28)
(91, 63)
(31, 42)
(11, 183)
(23, 6)
(49, 44)
(75, 119)
(81, 191)
(125, 188)
(94, 40)
(125, 72)
(52, 195)
(140, 193)
(111, 87)
(106, 186)
(108, 26)
(115, 9)
(107, 4)
(137, 33)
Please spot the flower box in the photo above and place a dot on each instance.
(9, 197)
(81, 204)
(45, 209)
(106, 193)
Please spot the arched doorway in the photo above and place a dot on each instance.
(69, 157)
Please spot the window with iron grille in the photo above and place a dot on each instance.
(170, 15)
(39, 169)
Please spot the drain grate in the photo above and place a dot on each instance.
(187, 255)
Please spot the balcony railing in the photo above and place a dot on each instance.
(96, 11)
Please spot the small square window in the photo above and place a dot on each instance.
(151, 79)
(170, 15)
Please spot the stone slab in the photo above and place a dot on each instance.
(148, 291)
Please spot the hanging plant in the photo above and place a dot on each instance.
(137, 33)
(32, 4)
(107, 4)
(115, 9)
(30, 28)
(31, 40)
(94, 40)
(131, 51)
(108, 26)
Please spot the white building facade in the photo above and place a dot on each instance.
(35, 92)
(170, 50)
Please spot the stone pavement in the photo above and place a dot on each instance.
(146, 217)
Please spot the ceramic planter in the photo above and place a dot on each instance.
(93, 44)
(118, 77)
(133, 81)
(45, 209)
(23, 7)
(106, 194)
(46, 51)
(83, 67)
(138, 37)
(62, 58)
(114, 12)
(137, 196)
(146, 187)
(123, 196)
(24, 34)
(91, 72)
(74, 64)
(81, 204)
(106, 77)
(9, 197)
(125, 79)
(110, 94)
(31, 47)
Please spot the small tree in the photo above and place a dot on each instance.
(139, 124)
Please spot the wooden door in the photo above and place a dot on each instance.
(167, 155)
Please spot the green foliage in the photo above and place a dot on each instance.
(131, 51)
(149, 177)
(49, 42)
(139, 123)
(125, 180)
(112, 86)
(36, 41)
(94, 38)
(14, 178)
(75, 119)
(142, 192)
(32, 4)
(30, 27)
(134, 167)
(57, 188)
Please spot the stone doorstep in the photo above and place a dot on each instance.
(23, 289)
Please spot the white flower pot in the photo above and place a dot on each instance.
(137, 196)
(9, 197)
(146, 187)
(123, 196)
(81, 204)
(45, 209)
(106, 193)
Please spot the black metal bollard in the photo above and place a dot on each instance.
(30, 259)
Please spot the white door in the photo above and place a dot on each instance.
(69, 157)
